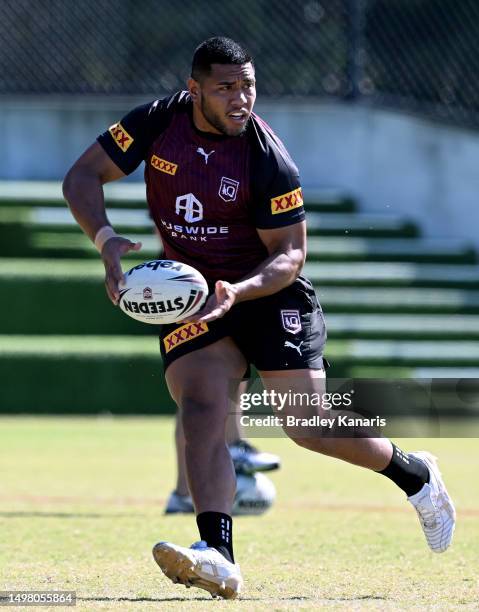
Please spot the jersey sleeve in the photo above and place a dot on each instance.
(276, 188)
(127, 142)
(281, 203)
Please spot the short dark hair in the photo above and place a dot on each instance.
(217, 50)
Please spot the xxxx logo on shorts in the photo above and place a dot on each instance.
(287, 201)
(186, 332)
(120, 136)
(164, 166)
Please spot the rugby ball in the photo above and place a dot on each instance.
(162, 291)
(254, 494)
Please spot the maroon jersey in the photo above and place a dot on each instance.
(208, 194)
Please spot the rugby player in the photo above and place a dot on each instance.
(226, 198)
(246, 460)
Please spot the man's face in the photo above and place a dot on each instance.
(223, 101)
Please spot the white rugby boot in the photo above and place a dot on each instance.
(199, 566)
(247, 459)
(179, 504)
(434, 506)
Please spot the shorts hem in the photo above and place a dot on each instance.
(206, 342)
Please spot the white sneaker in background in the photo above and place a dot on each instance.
(247, 459)
(179, 504)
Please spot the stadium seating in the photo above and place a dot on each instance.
(396, 304)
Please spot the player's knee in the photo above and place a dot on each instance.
(200, 416)
(194, 411)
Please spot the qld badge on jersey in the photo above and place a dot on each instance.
(228, 189)
(291, 320)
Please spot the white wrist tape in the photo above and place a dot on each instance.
(103, 234)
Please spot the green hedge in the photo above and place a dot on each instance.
(83, 384)
(62, 306)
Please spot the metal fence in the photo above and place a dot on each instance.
(420, 54)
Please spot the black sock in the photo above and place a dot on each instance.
(216, 529)
(409, 473)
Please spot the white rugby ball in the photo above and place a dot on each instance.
(162, 291)
(254, 494)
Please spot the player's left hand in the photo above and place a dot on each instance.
(217, 304)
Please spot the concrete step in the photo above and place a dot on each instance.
(49, 193)
(405, 353)
(393, 274)
(321, 274)
(44, 269)
(388, 326)
(50, 216)
(422, 353)
(450, 372)
(325, 248)
(417, 250)
(130, 220)
(41, 193)
(328, 200)
(397, 358)
(420, 373)
(361, 224)
(398, 300)
(73, 345)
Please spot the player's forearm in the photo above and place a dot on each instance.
(83, 190)
(276, 272)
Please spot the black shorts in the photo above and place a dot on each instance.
(283, 331)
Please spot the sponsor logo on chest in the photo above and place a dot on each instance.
(163, 165)
(191, 209)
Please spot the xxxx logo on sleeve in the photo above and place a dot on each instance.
(287, 201)
(186, 332)
(164, 166)
(120, 136)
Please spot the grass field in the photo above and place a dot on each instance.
(81, 506)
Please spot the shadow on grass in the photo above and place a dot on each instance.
(207, 598)
(331, 599)
(358, 598)
(145, 599)
(67, 515)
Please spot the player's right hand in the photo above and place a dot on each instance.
(112, 251)
(217, 305)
